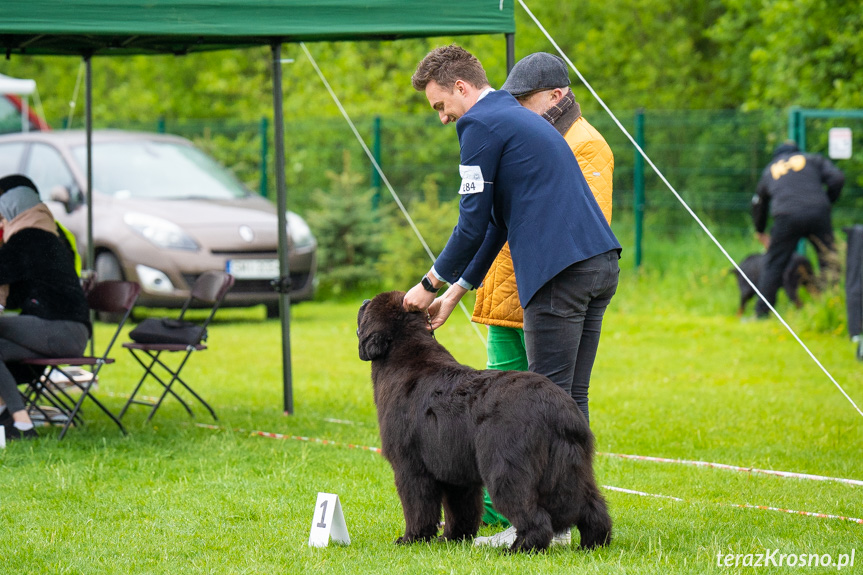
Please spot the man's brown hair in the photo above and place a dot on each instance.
(446, 64)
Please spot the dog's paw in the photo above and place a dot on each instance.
(523, 547)
(529, 544)
(409, 539)
(456, 538)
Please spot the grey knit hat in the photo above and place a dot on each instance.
(538, 71)
(17, 200)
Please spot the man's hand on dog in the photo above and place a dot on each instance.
(418, 299)
(439, 309)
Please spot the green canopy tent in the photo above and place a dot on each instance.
(90, 28)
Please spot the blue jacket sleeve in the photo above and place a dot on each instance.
(480, 154)
(491, 246)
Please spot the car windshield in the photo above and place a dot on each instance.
(150, 169)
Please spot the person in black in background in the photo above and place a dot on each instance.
(798, 191)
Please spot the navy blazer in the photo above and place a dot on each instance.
(521, 183)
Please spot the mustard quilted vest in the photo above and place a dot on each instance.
(497, 298)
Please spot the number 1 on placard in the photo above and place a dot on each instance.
(323, 507)
(331, 523)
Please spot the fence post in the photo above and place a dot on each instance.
(160, 125)
(376, 152)
(264, 151)
(638, 185)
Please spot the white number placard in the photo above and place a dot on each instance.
(328, 521)
(839, 143)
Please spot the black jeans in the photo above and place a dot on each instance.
(786, 233)
(563, 321)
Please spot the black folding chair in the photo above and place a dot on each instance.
(117, 297)
(208, 290)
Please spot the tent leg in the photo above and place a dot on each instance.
(88, 127)
(282, 203)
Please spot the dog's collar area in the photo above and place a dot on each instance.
(428, 320)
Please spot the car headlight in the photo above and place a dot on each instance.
(299, 231)
(160, 232)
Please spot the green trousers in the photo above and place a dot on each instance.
(505, 349)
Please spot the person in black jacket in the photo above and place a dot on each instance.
(37, 272)
(798, 190)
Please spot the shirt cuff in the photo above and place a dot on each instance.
(437, 275)
(461, 282)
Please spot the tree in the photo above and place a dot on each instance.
(793, 52)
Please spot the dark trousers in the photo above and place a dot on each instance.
(563, 321)
(27, 336)
(786, 234)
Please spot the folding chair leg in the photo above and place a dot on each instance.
(171, 391)
(176, 377)
(85, 394)
(199, 398)
(59, 399)
(148, 371)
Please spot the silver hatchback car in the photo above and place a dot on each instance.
(163, 213)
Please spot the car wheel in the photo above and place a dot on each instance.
(108, 268)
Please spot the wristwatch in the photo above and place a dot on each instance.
(427, 285)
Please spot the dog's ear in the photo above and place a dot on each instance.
(374, 346)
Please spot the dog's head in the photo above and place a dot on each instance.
(383, 320)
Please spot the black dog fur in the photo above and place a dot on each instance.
(798, 273)
(448, 429)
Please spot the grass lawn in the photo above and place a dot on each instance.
(678, 376)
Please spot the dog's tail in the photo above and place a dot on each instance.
(594, 524)
(571, 472)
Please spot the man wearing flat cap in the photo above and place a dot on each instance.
(540, 83)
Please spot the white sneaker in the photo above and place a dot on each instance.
(562, 538)
(502, 539)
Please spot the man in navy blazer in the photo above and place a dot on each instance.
(520, 182)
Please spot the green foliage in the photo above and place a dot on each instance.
(404, 259)
(348, 234)
(800, 52)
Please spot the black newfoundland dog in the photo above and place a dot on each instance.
(448, 429)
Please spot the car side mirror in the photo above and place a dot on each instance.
(64, 196)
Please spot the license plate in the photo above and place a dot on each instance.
(253, 269)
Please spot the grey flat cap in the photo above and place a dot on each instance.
(538, 71)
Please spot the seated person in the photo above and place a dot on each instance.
(37, 272)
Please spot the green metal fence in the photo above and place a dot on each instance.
(712, 158)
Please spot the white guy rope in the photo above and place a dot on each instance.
(684, 204)
(738, 505)
(725, 466)
(74, 100)
(383, 177)
(38, 101)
